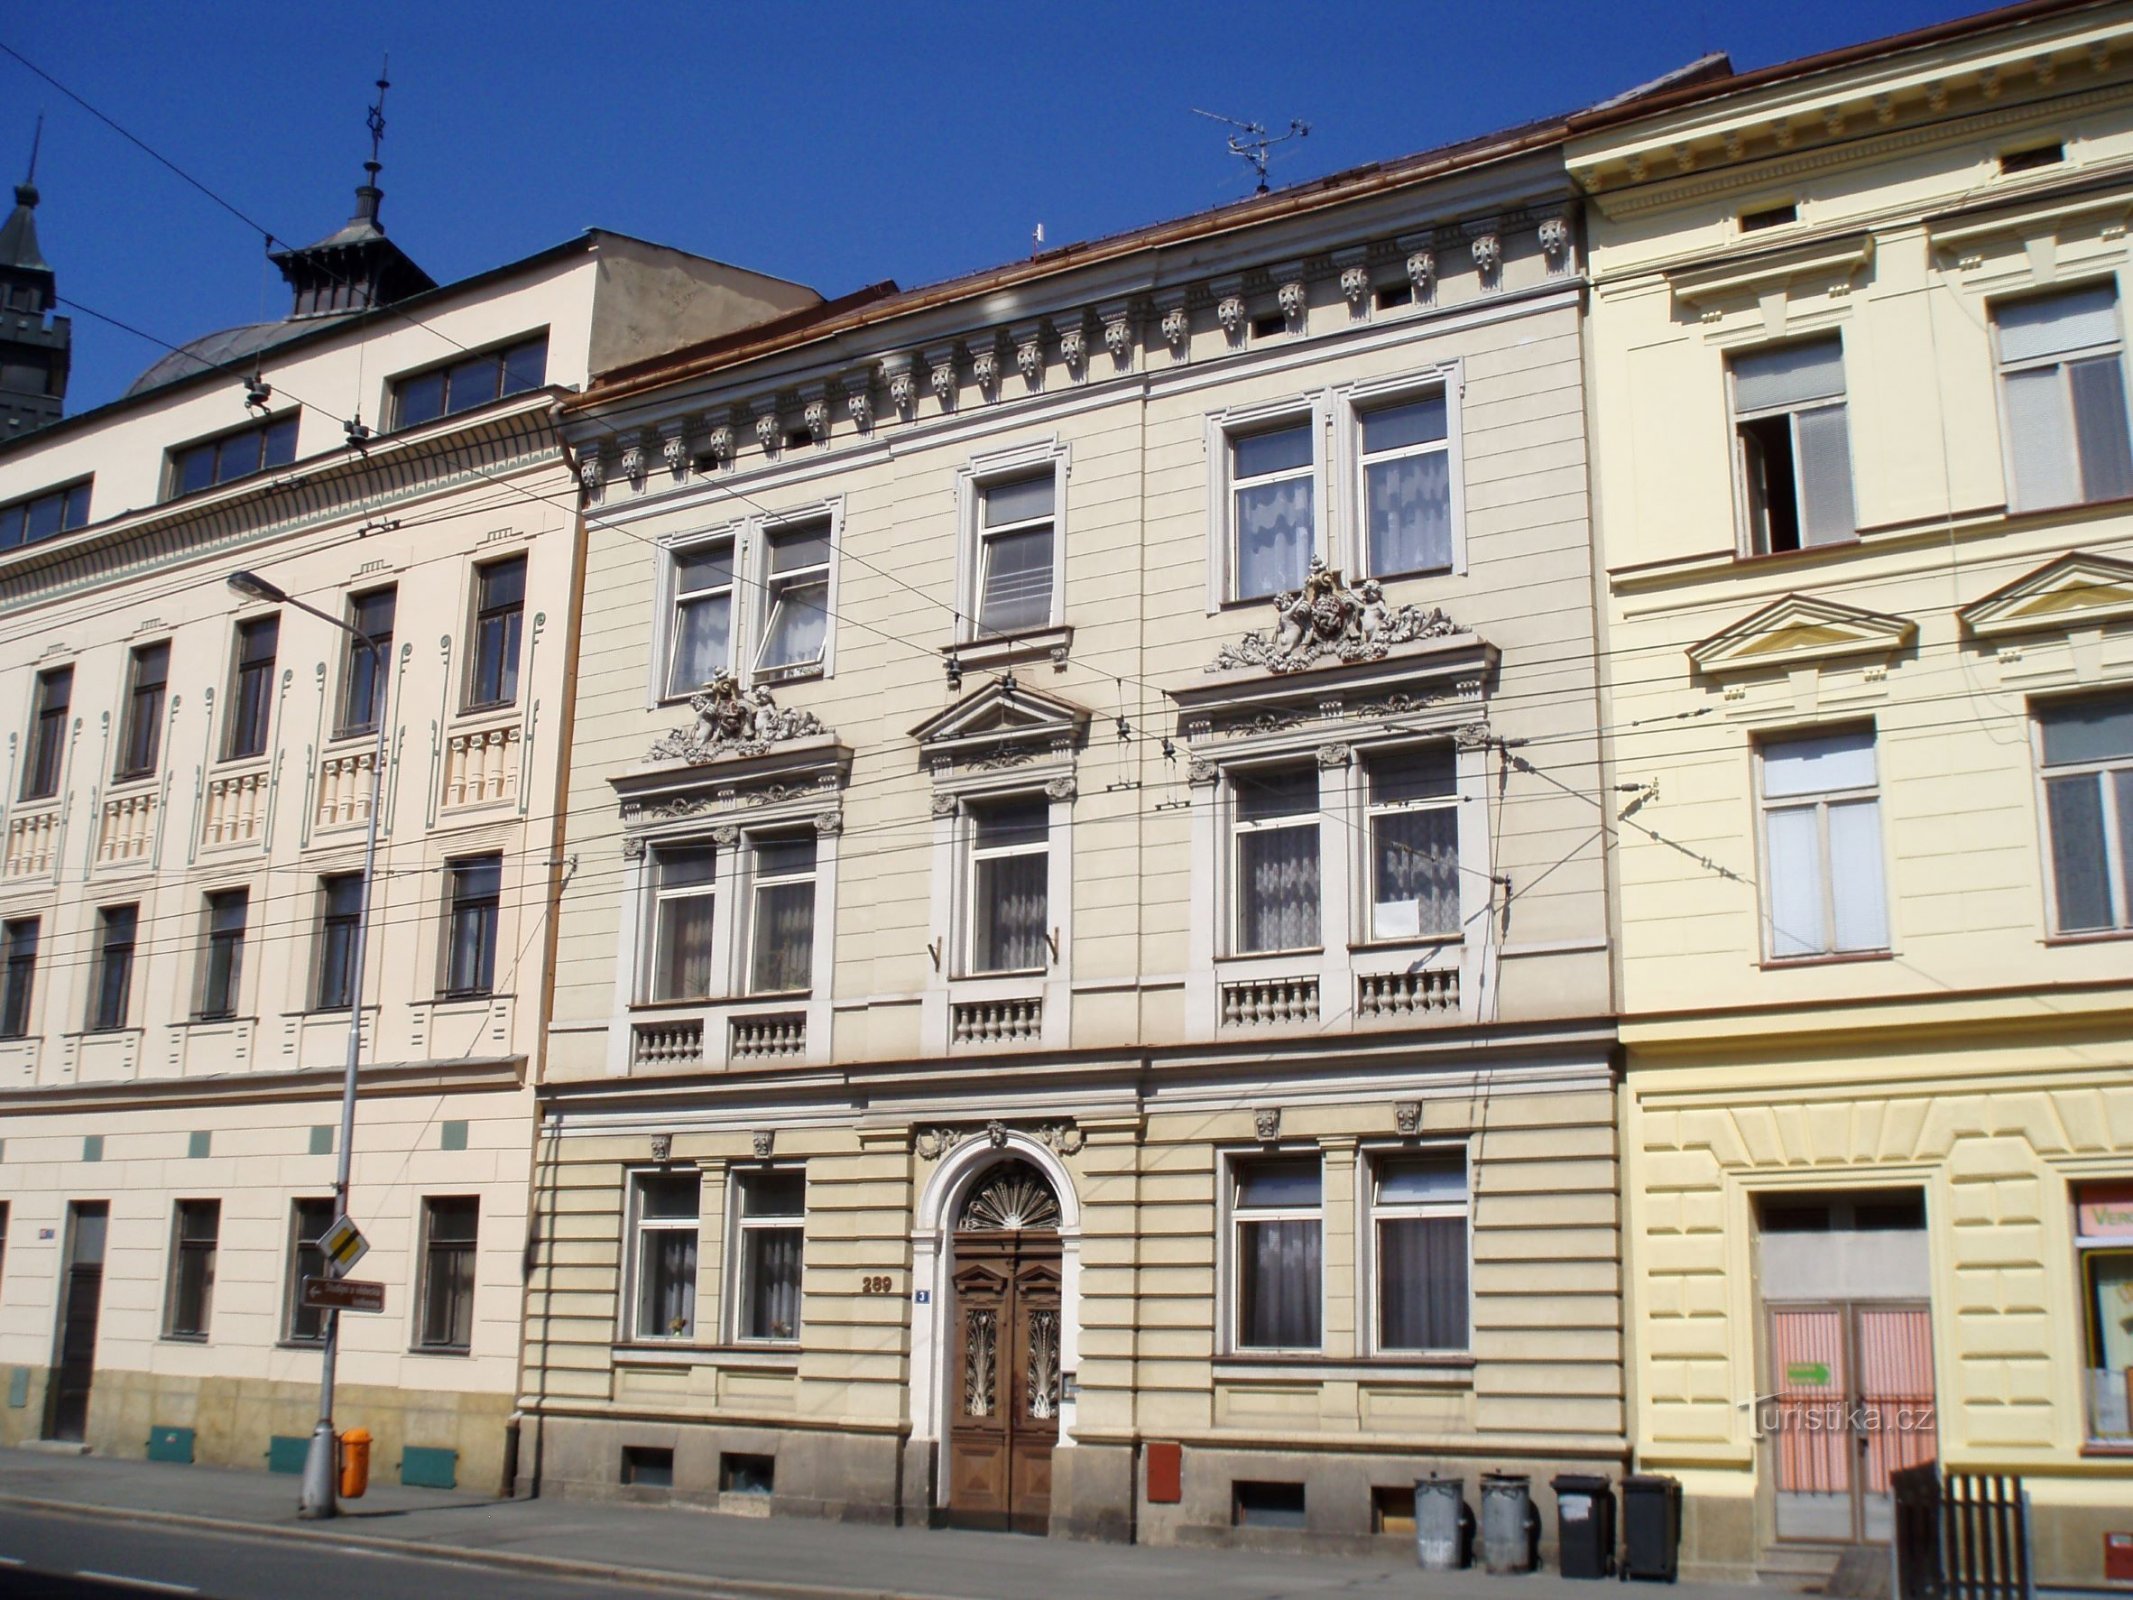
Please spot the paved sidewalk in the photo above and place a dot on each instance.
(776, 1558)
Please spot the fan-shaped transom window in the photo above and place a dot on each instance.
(1010, 1196)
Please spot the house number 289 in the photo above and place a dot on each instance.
(878, 1283)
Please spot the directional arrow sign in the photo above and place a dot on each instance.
(344, 1245)
(343, 1294)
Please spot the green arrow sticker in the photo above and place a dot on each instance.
(1815, 1373)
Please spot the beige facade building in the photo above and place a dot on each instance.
(188, 781)
(1082, 999)
(1858, 334)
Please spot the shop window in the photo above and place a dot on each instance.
(2104, 1239)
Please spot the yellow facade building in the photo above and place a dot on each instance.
(1862, 485)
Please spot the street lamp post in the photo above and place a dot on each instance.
(316, 1498)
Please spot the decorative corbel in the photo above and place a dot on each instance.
(633, 847)
(632, 461)
(985, 365)
(1074, 345)
(1201, 771)
(1176, 325)
(829, 822)
(1554, 235)
(1407, 1117)
(815, 413)
(944, 805)
(718, 444)
(590, 471)
(726, 835)
(763, 1139)
(1229, 311)
(1061, 788)
(662, 1147)
(1117, 319)
(1267, 1121)
(1334, 754)
(674, 447)
(1355, 277)
(1291, 293)
(940, 365)
(766, 428)
(859, 399)
(1488, 253)
(1029, 351)
(901, 382)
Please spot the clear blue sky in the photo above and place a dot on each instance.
(835, 143)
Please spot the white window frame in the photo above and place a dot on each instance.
(1372, 1211)
(972, 480)
(969, 855)
(672, 596)
(1221, 429)
(758, 879)
(1235, 827)
(1364, 897)
(717, 891)
(1820, 801)
(2062, 360)
(2114, 863)
(1234, 1216)
(1352, 404)
(738, 1225)
(637, 1226)
(1743, 503)
(766, 590)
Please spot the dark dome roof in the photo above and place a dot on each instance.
(229, 348)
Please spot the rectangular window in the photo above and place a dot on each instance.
(18, 943)
(1794, 445)
(1276, 1213)
(233, 455)
(222, 961)
(44, 516)
(684, 906)
(1413, 806)
(1015, 554)
(476, 887)
(702, 641)
(340, 899)
(111, 987)
(308, 1222)
(499, 608)
(445, 1319)
(365, 671)
(471, 381)
(1822, 846)
(141, 730)
(2063, 378)
(1274, 870)
(796, 598)
(665, 1218)
(48, 733)
(1010, 877)
(782, 938)
(1406, 489)
(769, 1229)
(1418, 1210)
(2087, 750)
(252, 691)
(2103, 1239)
(190, 1294)
(1272, 524)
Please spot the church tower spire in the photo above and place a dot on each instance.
(36, 348)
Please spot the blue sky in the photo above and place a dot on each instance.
(834, 143)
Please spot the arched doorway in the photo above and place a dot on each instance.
(1004, 1371)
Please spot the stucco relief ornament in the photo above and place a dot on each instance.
(1292, 298)
(766, 430)
(903, 389)
(817, 419)
(829, 822)
(1029, 358)
(1407, 1117)
(1326, 620)
(718, 444)
(1488, 254)
(933, 1143)
(590, 471)
(1229, 311)
(1064, 1137)
(1118, 336)
(1074, 346)
(985, 365)
(1355, 283)
(1176, 325)
(1555, 240)
(1421, 268)
(1266, 1122)
(674, 452)
(859, 400)
(762, 1141)
(730, 722)
(633, 464)
(944, 382)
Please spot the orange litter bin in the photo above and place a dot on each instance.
(355, 1463)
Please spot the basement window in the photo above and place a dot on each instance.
(1266, 1505)
(739, 1474)
(647, 1468)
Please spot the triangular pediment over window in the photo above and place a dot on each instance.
(2076, 591)
(1003, 714)
(1800, 629)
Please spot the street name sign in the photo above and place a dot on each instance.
(343, 1294)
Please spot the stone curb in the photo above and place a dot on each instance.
(558, 1566)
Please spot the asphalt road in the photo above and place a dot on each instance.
(44, 1556)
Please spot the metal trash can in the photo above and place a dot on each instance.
(1440, 1523)
(1584, 1525)
(1508, 1522)
(1651, 1526)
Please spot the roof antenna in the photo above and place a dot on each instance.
(1255, 142)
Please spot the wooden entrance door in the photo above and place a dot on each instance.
(1852, 1385)
(67, 1411)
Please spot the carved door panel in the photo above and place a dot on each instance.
(1004, 1381)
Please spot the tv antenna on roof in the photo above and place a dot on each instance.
(1252, 141)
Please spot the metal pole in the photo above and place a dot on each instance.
(316, 1499)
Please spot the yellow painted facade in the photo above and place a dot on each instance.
(1905, 1029)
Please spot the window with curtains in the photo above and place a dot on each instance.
(1793, 446)
(111, 977)
(795, 597)
(364, 670)
(1418, 1220)
(1821, 803)
(1277, 1223)
(1272, 493)
(768, 1226)
(18, 944)
(1275, 857)
(474, 886)
(445, 1319)
(252, 687)
(2062, 379)
(700, 635)
(1406, 486)
(684, 894)
(2103, 1243)
(48, 733)
(499, 613)
(195, 1230)
(340, 906)
(2085, 749)
(141, 726)
(1412, 804)
(308, 1222)
(664, 1219)
(781, 935)
(1009, 884)
(222, 952)
(1015, 553)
